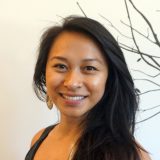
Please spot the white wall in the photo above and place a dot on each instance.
(21, 24)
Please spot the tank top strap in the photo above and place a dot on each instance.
(31, 153)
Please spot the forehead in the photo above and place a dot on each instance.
(76, 43)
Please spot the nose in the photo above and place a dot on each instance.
(73, 80)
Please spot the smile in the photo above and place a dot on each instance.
(73, 98)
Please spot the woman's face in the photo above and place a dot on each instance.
(76, 74)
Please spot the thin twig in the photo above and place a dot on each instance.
(81, 9)
(146, 73)
(147, 37)
(148, 118)
(60, 17)
(128, 48)
(148, 81)
(134, 40)
(154, 90)
(136, 52)
(151, 108)
(154, 61)
(148, 23)
(148, 34)
(115, 28)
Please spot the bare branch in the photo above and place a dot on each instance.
(148, 23)
(154, 61)
(148, 81)
(134, 40)
(147, 37)
(60, 16)
(148, 118)
(154, 90)
(128, 48)
(151, 108)
(115, 28)
(147, 32)
(146, 73)
(81, 9)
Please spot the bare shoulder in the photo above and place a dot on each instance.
(144, 155)
(37, 136)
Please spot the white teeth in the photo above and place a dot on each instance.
(74, 98)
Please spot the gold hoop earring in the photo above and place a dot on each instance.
(49, 102)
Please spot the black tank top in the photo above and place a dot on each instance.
(31, 153)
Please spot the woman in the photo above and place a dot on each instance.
(82, 70)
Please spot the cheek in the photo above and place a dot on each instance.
(52, 82)
(97, 86)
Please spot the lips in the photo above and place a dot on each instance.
(71, 99)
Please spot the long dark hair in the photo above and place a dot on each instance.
(109, 126)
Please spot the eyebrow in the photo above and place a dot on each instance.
(85, 60)
(59, 58)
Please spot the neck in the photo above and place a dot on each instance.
(69, 127)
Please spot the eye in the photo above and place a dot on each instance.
(90, 69)
(60, 67)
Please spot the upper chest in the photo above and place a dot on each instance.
(52, 149)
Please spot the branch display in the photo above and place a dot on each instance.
(152, 61)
